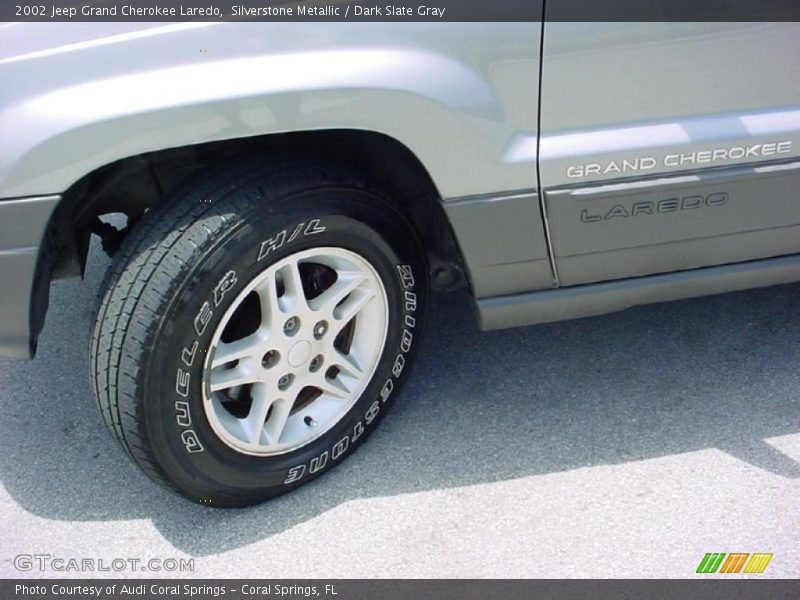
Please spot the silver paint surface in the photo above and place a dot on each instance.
(460, 96)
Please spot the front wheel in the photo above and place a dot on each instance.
(256, 328)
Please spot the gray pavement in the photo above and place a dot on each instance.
(620, 446)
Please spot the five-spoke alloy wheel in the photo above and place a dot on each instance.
(295, 350)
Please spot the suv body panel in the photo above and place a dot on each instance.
(672, 108)
(542, 236)
(467, 115)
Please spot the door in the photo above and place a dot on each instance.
(669, 146)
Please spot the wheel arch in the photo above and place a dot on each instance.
(136, 183)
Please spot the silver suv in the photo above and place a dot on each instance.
(291, 193)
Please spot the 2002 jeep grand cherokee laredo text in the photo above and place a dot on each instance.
(293, 190)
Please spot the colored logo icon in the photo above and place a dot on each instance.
(734, 562)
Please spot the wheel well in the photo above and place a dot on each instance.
(132, 185)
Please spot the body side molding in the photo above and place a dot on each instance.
(600, 298)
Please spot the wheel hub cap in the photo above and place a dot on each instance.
(299, 354)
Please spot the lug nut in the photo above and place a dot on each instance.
(270, 359)
(320, 329)
(285, 381)
(291, 326)
(316, 363)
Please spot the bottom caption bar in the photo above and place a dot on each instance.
(390, 589)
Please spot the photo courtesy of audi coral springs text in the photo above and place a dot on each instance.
(293, 191)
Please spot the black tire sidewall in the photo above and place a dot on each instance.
(179, 433)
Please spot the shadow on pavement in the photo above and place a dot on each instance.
(717, 372)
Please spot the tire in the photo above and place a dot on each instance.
(202, 295)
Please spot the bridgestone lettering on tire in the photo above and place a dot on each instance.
(255, 328)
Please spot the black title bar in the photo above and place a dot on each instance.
(398, 10)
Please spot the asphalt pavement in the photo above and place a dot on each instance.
(627, 445)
